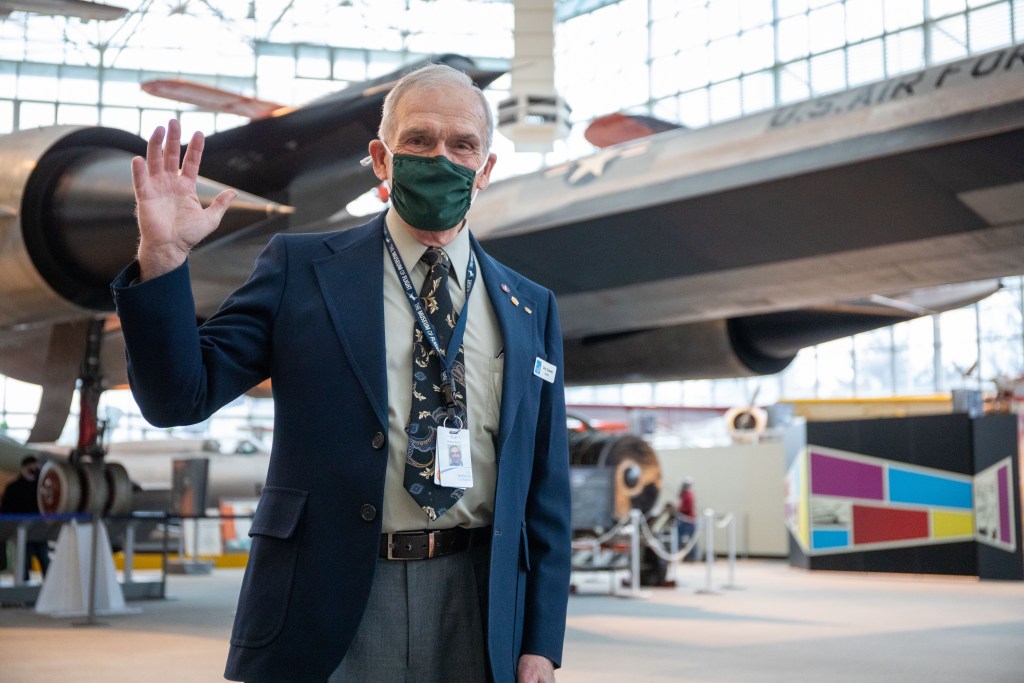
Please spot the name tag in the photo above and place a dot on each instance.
(546, 371)
(453, 461)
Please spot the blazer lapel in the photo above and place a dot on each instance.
(517, 334)
(351, 281)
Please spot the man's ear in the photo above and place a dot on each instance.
(484, 179)
(379, 155)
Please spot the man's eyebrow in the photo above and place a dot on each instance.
(414, 132)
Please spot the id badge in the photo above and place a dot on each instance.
(454, 462)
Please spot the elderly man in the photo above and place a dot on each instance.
(387, 344)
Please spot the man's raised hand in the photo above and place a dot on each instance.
(171, 219)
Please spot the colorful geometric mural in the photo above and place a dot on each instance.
(839, 502)
(993, 492)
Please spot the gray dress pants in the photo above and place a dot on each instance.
(424, 622)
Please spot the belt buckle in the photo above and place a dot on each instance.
(431, 546)
(391, 547)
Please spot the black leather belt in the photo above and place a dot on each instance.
(423, 545)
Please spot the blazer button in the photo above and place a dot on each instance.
(378, 441)
(368, 512)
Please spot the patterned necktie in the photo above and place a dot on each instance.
(428, 406)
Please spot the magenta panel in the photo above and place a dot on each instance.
(832, 476)
(1003, 475)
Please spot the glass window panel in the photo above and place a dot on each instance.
(758, 92)
(723, 18)
(828, 72)
(149, 119)
(958, 347)
(875, 373)
(693, 108)
(693, 26)
(38, 82)
(730, 392)
(827, 28)
(792, 39)
(695, 68)
(36, 114)
(940, 8)
(6, 116)
(274, 78)
(724, 58)
(118, 89)
(663, 9)
(800, 379)
(700, 392)
(665, 37)
(1000, 314)
(865, 63)
(881, 338)
(191, 121)
(637, 394)
(82, 90)
(8, 78)
(757, 49)
(793, 83)
(1003, 357)
(725, 101)
(790, 7)
(1018, 20)
(915, 372)
(668, 393)
(312, 62)
(666, 109)
(664, 76)
(903, 14)
(904, 51)
(754, 13)
(77, 114)
(120, 117)
(350, 65)
(989, 28)
(948, 39)
(835, 369)
(229, 121)
(864, 19)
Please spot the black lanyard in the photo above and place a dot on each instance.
(449, 356)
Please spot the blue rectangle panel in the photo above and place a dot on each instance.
(928, 489)
(829, 538)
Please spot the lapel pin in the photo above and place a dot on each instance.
(515, 301)
(504, 288)
(528, 310)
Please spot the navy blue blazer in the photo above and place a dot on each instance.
(311, 317)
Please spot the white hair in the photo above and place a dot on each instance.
(432, 76)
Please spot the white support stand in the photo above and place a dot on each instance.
(81, 580)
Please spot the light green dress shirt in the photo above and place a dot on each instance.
(484, 367)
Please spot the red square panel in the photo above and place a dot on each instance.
(877, 525)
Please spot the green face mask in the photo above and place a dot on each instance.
(431, 193)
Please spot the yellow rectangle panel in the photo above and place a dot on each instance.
(948, 524)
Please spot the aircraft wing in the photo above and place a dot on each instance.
(690, 253)
(722, 251)
(81, 9)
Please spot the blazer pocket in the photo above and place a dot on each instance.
(267, 585)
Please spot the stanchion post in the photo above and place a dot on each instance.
(634, 518)
(129, 551)
(20, 553)
(91, 615)
(709, 550)
(673, 546)
(732, 552)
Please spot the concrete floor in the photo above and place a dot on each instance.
(781, 624)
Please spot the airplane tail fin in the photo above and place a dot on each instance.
(616, 128)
